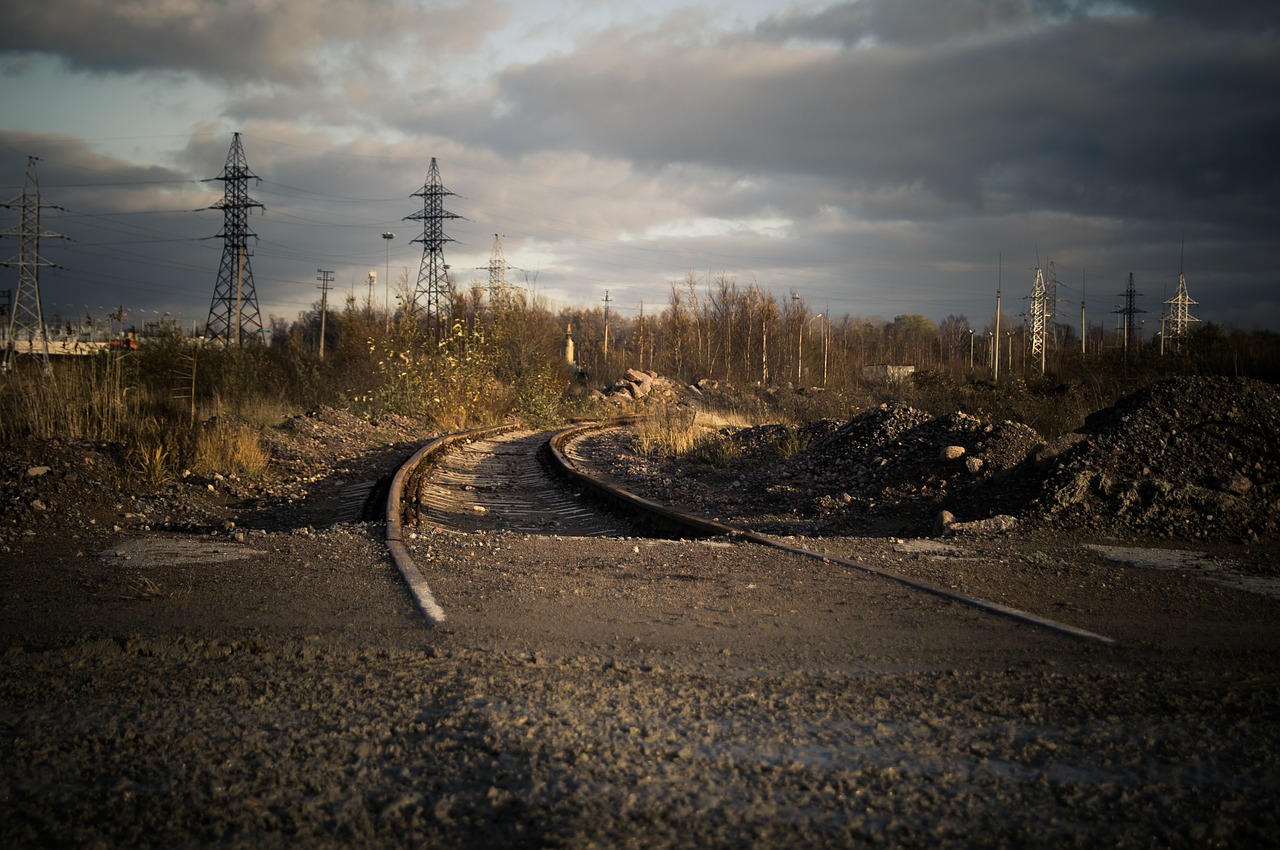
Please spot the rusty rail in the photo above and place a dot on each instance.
(690, 525)
(408, 478)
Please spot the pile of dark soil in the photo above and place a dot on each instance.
(1184, 458)
(1194, 458)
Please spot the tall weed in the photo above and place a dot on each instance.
(229, 448)
(669, 431)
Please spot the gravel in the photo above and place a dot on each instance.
(611, 692)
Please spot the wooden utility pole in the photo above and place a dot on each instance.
(606, 299)
(326, 277)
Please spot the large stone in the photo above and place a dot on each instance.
(951, 453)
(944, 521)
(992, 525)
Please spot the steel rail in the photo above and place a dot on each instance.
(409, 475)
(696, 526)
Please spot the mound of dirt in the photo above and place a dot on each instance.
(1192, 458)
(1186, 458)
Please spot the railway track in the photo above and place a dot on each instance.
(497, 483)
(534, 482)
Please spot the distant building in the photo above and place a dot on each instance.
(886, 374)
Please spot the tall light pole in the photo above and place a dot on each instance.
(387, 236)
(800, 350)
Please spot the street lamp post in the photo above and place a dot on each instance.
(387, 236)
(800, 352)
(971, 349)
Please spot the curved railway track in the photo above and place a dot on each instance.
(497, 483)
(503, 479)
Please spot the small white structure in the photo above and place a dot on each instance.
(887, 374)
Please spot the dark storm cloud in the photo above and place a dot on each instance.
(1114, 115)
(290, 42)
(878, 152)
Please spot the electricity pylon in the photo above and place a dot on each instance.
(497, 267)
(26, 316)
(434, 293)
(500, 297)
(1128, 312)
(233, 312)
(1039, 315)
(1179, 316)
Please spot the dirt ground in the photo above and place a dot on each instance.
(245, 672)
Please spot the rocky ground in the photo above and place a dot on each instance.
(1191, 459)
(236, 663)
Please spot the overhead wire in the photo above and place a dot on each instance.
(668, 259)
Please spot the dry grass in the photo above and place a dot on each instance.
(263, 412)
(229, 448)
(87, 400)
(670, 431)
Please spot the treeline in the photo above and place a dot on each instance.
(743, 336)
(503, 353)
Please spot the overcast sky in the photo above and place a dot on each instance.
(875, 157)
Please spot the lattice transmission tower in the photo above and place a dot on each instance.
(1128, 312)
(1179, 315)
(1038, 314)
(434, 293)
(499, 292)
(497, 269)
(233, 312)
(26, 316)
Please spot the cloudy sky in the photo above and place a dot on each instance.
(875, 157)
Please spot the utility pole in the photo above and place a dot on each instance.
(433, 291)
(387, 236)
(326, 278)
(233, 312)
(826, 342)
(1082, 281)
(764, 352)
(606, 301)
(25, 313)
(995, 369)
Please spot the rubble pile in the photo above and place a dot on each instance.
(892, 468)
(1188, 458)
(636, 386)
(1185, 458)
